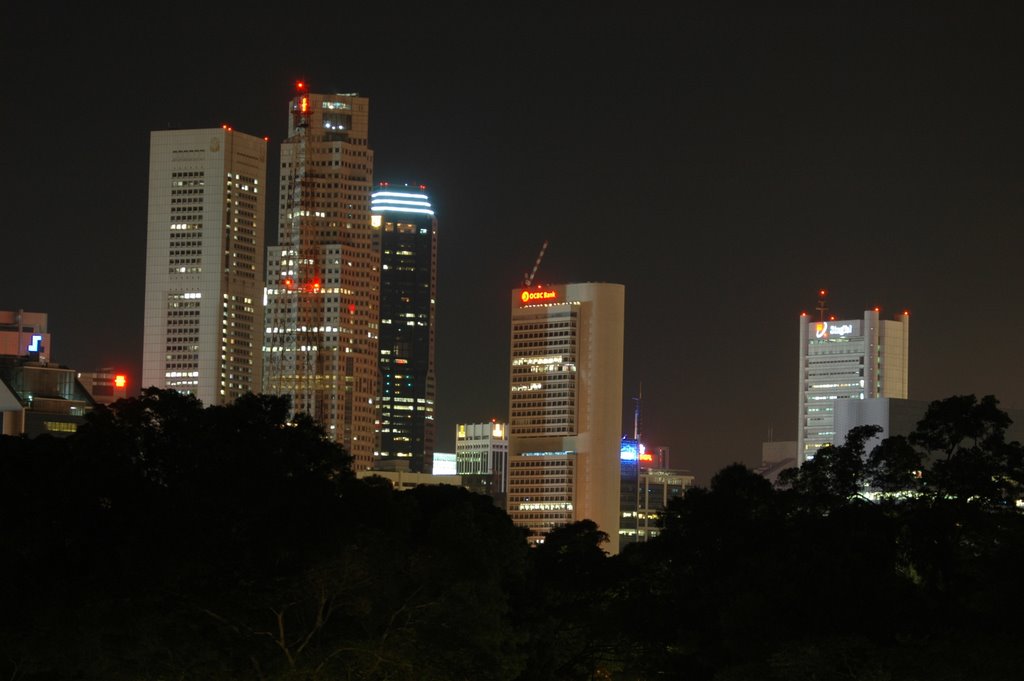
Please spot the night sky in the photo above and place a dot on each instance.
(722, 160)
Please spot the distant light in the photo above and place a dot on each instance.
(351, 308)
(120, 381)
(266, 139)
(878, 309)
(300, 86)
(304, 104)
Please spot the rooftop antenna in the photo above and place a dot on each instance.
(528, 278)
(636, 413)
(822, 307)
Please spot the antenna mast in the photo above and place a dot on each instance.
(822, 307)
(636, 413)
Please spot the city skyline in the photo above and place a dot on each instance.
(722, 163)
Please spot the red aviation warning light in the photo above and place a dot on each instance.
(120, 381)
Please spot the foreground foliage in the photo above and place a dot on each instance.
(168, 541)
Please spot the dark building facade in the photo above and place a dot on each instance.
(408, 289)
(39, 398)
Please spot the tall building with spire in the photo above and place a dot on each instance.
(323, 277)
(204, 263)
(408, 290)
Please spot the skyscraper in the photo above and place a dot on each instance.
(565, 407)
(847, 359)
(204, 261)
(408, 290)
(323, 277)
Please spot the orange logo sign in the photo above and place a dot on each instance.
(536, 296)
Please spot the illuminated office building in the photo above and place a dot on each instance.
(842, 360)
(565, 407)
(106, 385)
(408, 288)
(204, 263)
(321, 297)
(37, 396)
(481, 457)
(646, 488)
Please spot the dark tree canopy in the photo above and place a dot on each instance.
(168, 541)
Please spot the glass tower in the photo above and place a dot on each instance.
(408, 288)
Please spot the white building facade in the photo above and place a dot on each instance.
(204, 263)
(481, 448)
(847, 359)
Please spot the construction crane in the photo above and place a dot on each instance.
(528, 278)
